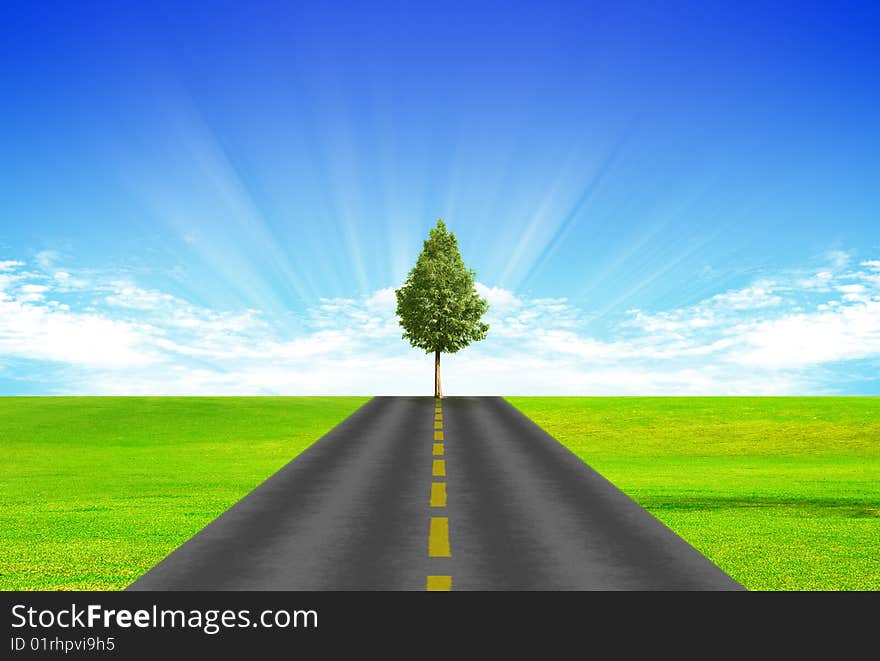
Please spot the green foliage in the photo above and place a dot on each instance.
(96, 490)
(783, 493)
(438, 307)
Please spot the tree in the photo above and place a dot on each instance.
(438, 307)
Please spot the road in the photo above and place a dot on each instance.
(403, 496)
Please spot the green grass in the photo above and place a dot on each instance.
(782, 493)
(95, 491)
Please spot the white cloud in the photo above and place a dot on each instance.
(719, 310)
(383, 300)
(127, 295)
(853, 292)
(762, 327)
(819, 282)
(751, 298)
(842, 332)
(9, 265)
(49, 333)
(111, 335)
(565, 342)
(9, 278)
(498, 297)
(46, 259)
(838, 258)
(31, 292)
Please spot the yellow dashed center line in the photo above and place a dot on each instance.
(439, 583)
(438, 538)
(438, 534)
(438, 494)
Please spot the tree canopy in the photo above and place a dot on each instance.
(438, 306)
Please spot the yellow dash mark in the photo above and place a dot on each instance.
(439, 468)
(438, 449)
(438, 435)
(439, 584)
(438, 538)
(438, 425)
(439, 416)
(438, 494)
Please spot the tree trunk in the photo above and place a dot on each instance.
(438, 391)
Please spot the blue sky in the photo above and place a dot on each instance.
(658, 198)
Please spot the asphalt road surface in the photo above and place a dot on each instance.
(403, 496)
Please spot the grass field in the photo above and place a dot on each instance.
(97, 490)
(782, 493)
